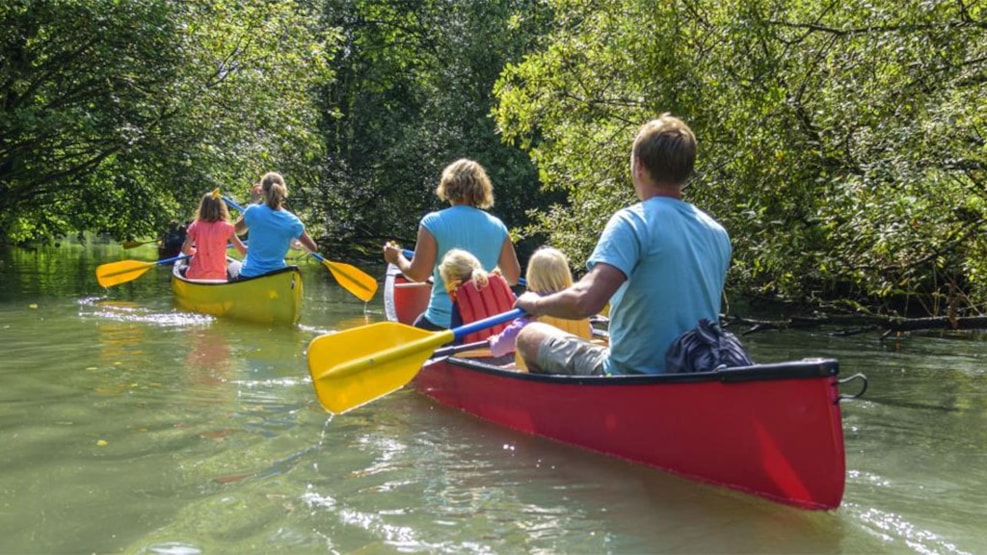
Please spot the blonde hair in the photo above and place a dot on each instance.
(667, 149)
(548, 271)
(212, 209)
(275, 191)
(458, 266)
(466, 182)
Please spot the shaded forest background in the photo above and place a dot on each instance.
(842, 144)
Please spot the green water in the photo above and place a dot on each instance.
(127, 426)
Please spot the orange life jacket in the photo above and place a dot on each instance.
(477, 304)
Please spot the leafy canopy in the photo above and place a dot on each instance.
(116, 116)
(840, 143)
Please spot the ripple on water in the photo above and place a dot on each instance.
(171, 548)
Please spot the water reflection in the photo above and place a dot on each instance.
(208, 370)
(363, 320)
(210, 353)
(129, 426)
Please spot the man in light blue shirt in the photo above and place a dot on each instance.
(661, 264)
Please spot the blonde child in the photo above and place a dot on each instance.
(548, 272)
(457, 267)
(209, 234)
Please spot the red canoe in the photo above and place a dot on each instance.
(772, 430)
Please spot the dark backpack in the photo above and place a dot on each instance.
(705, 348)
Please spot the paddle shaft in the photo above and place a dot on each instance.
(149, 265)
(428, 343)
(454, 349)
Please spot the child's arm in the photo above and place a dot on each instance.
(237, 243)
(187, 245)
(505, 342)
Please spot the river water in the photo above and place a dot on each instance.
(128, 426)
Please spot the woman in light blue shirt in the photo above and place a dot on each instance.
(464, 225)
(272, 229)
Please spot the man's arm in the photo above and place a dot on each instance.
(583, 299)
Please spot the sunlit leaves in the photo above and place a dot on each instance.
(117, 114)
(836, 139)
(414, 92)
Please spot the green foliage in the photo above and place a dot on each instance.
(413, 93)
(116, 116)
(841, 144)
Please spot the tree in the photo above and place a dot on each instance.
(116, 116)
(413, 93)
(841, 144)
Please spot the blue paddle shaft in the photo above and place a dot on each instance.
(173, 259)
(463, 331)
(231, 203)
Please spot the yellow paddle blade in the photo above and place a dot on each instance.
(356, 281)
(115, 273)
(353, 367)
(135, 244)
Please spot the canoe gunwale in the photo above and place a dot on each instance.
(177, 275)
(805, 368)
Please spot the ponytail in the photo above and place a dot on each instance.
(274, 190)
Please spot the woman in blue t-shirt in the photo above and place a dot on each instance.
(272, 229)
(464, 225)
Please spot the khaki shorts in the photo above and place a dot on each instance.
(571, 356)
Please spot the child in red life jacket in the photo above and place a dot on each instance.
(477, 294)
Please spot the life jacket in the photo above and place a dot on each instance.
(477, 304)
(580, 328)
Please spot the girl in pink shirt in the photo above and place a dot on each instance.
(209, 234)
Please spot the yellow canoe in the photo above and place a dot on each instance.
(274, 298)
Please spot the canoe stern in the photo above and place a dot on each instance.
(273, 298)
(774, 431)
